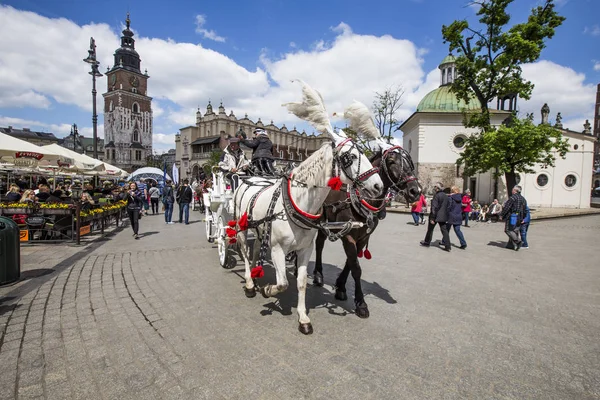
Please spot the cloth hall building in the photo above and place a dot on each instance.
(194, 144)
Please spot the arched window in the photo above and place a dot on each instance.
(444, 76)
(136, 108)
(111, 106)
(136, 136)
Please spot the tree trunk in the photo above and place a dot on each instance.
(511, 181)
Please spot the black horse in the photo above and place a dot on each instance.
(397, 173)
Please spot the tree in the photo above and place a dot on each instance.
(513, 148)
(490, 55)
(385, 106)
(213, 160)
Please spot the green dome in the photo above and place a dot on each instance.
(443, 100)
(448, 59)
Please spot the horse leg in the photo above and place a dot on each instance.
(318, 271)
(304, 324)
(242, 240)
(362, 310)
(255, 251)
(351, 254)
(278, 258)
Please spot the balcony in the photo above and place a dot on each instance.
(200, 156)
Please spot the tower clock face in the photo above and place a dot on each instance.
(134, 80)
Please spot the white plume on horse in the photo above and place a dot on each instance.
(312, 109)
(361, 121)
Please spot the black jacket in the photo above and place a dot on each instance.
(167, 195)
(439, 207)
(261, 146)
(135, 201)
(184, 194)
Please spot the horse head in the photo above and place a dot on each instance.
(355, 168)
(398, 173)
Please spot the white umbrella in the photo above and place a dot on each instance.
(76, 162)
(21, 153)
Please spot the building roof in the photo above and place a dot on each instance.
(443, 99)
(26, 133)
(206, 140)
(448, 59)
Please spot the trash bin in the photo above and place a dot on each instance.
(10, 251)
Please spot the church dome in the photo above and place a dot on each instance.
(442, 99)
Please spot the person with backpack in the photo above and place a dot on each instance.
(513, 214)
(168, 199)
(184, 198)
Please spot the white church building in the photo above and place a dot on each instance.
(434, 136)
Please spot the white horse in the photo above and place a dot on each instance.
(308, 185)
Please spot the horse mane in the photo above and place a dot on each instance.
(312, 171)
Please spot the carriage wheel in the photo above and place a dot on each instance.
(226, 256)
(210, 228)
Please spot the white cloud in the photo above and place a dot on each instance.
(207, 34)
(293, 45)
(59, 130)
(562, 88)
(597, 66)
(593, 30)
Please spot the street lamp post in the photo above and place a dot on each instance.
(91, 59)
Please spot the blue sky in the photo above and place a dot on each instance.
(246, 52)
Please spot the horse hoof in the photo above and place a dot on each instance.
(318, 280)
(305, 329)
(362, 311)
(263, 291)
(249, 292)
(340, 295)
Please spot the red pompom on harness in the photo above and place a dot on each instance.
(367, 254)
(335, 183)
(257, 272)
(230, 232)
(243, 222)
(231, 224)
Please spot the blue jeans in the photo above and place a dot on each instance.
(415, 216)
(523, 228)
(184, 207)
(466, 218)
(168, 211)
(459, 234)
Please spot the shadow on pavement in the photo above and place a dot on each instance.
(144, 234)
(497, 244)
(4, 308)
(35, 273)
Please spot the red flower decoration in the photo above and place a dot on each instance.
(231, 224)
(335, 183)
(367, 254)
(257, 272)
(230, 232)
(243, 222)
(232, 240)
(360, 254)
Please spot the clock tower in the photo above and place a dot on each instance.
(127, 108)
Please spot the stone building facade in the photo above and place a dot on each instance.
(194, 144)
(127, 108)
(434, 135)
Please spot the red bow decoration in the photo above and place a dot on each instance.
(243, 222)
(360, 254)
(230, 232)
(231, 224)
(335, 183)
(367, 254)
(257, 272)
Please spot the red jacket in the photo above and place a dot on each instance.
(466, 200)
(419, 204)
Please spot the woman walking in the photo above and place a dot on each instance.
(417, 209)
(154, 193)
(455, 215)
(135, 202)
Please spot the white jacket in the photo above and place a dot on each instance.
(229, 160)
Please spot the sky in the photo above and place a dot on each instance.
(245, 54)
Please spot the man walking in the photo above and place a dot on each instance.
(168, 198)
(184, 198)
(513, 214)
(438, 215)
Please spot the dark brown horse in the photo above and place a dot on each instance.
(397, 173)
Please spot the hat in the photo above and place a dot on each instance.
(259, 131)
(234, 140)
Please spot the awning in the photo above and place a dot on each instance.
(21, 153)
(208, 140)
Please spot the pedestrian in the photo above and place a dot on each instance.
(168, 199)
(134, 206)
(513, 214)
(417, 209)
(184, 198)
(455, 214)
(143, 188)
(466, 206)
(154, 193)
(525, 227)
(438, 215)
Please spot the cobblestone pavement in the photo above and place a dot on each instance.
(157, 318)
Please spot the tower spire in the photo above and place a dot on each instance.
(127, 21)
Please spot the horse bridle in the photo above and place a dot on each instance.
(405, 178)
(344, 161)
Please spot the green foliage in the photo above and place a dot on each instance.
(490, 54)
(358, 139)
(514, 148)
(213, 160)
